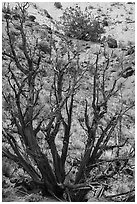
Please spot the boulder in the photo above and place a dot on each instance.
(16, 16)
(32, 18)
(128, 72)
(112, 43)
(45, 47)
(130, 51)
(58, 5)
(105, 23)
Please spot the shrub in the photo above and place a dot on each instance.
(81, 24)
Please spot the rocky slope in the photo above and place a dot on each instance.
(120, 16)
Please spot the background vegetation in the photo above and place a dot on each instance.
(81, 25)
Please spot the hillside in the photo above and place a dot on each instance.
(119, 15)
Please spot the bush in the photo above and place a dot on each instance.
(81, 24)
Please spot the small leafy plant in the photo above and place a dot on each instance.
(81, 24)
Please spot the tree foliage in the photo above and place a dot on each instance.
(48, 89)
